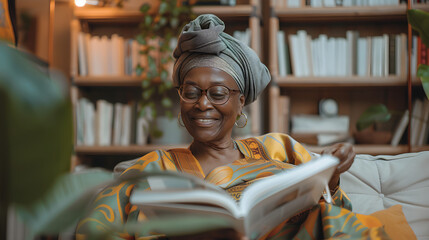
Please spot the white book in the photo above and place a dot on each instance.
(416, 121)
(316, 3)
(80, 121)
(424, 124)
(331, 57)
(398, 54)
(93, 64)
(117, 124)
(386, 55)
(369, 56)
(126, 125)
(303, 51)
(82, 54)
(293, 3)
(295, 55)
(309, 56)
(400, 129)
(263, 204)
(281, 52)
(315, 56)
(329, 3)
(414, 57)
(362, 51)
(104, 52)
(341, 51)
(142, 130)
(303, 123)
(323, 57)
(89, 124)
(116, 62)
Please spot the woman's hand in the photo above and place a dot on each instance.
(345, 153)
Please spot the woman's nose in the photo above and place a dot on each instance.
(204, 103)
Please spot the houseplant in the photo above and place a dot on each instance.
(161, 24)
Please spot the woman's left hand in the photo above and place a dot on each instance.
(345, 153)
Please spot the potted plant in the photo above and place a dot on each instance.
(158, 31)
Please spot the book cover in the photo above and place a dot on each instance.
(262, 206)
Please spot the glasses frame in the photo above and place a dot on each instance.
(204, 91)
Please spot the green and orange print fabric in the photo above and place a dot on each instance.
(264, 156)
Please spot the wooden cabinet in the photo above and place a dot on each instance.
(353, 93)
(125, 88)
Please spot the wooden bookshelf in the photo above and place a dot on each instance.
(348, 81)
(99, 21)
(353, 93)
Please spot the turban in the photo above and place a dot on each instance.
(203, 43)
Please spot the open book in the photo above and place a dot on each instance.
(262, 206)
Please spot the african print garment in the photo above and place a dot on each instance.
(264, 156)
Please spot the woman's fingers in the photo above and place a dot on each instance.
(344, 152)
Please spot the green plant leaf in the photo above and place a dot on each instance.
(145, 8)
(139, 70)
(166, 102)
(65, 203)
(164, 75)
(35, 127)
(147, 94)
(373, 114)
(156, 133)
(148, 20)
(141, 39)
(419, 21)
(163, 7)
(423, 73)
(174, 22)
(146, 83)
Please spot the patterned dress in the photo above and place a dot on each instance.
(264, 156)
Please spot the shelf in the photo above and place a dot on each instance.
(122, 150)
(108, 81)
(103, 14)
(368, 149)
(225, 11)
(375, 13)
(346, 81)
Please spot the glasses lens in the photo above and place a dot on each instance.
(218, 94)
(190, 93)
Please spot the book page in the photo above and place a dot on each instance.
(267, 203)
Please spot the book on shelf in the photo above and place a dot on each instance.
(333, 3)
(109, 56)
(304, 123)
(322, 139)
(262, 206)
(400, 129)
(375, 56)
(107, 124)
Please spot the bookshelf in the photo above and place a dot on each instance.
(106, 21)
(353, 92)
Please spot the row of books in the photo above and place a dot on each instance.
(105, 124)
(337, 3)
(117, 56)
(419, 135)
(384, 55)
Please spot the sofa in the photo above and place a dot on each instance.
(375, 183)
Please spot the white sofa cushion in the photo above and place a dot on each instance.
(378, 182)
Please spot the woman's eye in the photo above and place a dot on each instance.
(191, 94)
(217, 95)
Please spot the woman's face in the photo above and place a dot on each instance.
(205, 121)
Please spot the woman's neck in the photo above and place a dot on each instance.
(211, 155)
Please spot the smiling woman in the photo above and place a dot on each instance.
(217, 76)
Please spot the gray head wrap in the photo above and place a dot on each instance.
(203, 43)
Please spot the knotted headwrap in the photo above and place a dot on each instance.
(203, 43)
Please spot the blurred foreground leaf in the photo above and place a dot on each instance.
(65, 203)
(35, 127)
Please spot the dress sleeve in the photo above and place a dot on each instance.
(284, 148)
(111, 206)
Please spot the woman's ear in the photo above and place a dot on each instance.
(242, 100)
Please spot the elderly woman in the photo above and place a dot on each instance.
(217, 76)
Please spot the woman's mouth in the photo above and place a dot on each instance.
(204, 122)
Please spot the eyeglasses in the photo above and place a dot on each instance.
(217, 94)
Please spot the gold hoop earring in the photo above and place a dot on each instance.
(239, 120)
(179, 120)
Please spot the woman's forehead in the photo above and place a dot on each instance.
(209, 76)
